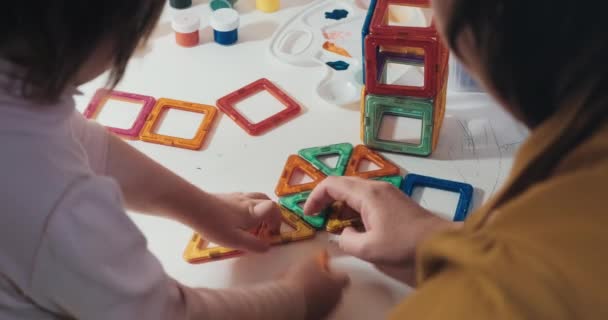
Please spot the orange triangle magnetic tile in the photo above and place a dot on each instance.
(361, 153)
(302, 230)
(295, 162)
(198, 252)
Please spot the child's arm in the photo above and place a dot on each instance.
(308, 291)
(150, 188)
(92, 263)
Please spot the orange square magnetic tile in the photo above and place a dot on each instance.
(162, 105)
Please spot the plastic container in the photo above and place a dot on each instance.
(180, 4)
(225, 23)
(186, 26)
(268, 6)
(459, 80)
(221, 4)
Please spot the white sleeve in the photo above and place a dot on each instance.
(93, 262)
(94, 139)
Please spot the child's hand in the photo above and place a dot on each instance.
(394, 224)
(322, 288)
(236, 216)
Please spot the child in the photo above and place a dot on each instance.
(68, 248)
(537, 249)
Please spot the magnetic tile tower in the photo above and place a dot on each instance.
(387, 45)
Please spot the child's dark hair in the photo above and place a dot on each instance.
(52, 39)
(541, 56)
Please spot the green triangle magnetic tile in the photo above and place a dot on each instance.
(343, 150)
(292, 203)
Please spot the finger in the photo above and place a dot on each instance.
(346, 189)
(257, 196)
(254, 218)
(340, 278)
(249, 242)
(267, 212)
(347, 213)
(354, 242)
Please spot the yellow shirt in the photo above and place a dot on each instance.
(540, 255)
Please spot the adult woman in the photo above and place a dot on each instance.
(535, 250)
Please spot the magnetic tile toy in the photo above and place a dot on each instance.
(379, 23)
(377, 107)
(394, 180)
(365, 31)
(228, 105)
(360, 153)
(162, 105)
(465, 190)
(198, 252)
(338, 221)
(302, 230)
(343, 150)
(375, 45)
(293, 202)
(362, 111)
(294, 163)
(102, 96)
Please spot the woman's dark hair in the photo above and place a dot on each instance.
(541, 56)
(52, 39)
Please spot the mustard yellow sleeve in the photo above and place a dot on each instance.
(542, 256)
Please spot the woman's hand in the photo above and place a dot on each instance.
(394, 224)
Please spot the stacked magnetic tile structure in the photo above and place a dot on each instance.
(385, 44)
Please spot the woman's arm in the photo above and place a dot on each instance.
(395, 225)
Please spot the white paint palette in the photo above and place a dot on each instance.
(311, 39)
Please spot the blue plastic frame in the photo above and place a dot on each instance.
(365, 31)
(464, 189)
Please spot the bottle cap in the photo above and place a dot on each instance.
(180, 4)
(219, 4)
(186, 22)
(224, 20)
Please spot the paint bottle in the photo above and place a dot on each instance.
(268, 5)
(186, 26)
(221, 4)
(225, 24)
(180, 4)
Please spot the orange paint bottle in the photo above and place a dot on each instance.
(186, 27)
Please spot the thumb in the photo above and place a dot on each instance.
(247, 241)
(341, 279)
(267, 212)
(354, 242)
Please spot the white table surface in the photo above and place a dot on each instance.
(477, 144)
